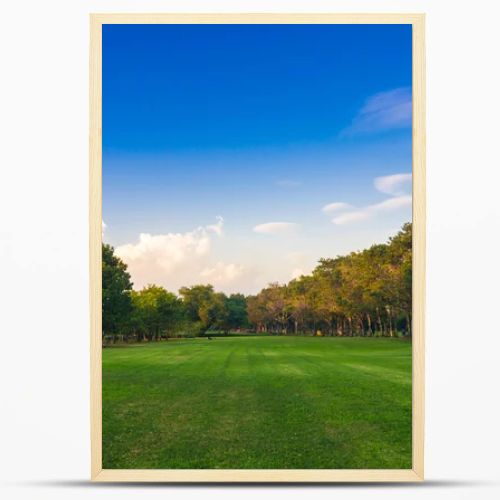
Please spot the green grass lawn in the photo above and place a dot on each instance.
(258, 402)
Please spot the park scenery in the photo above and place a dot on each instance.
(257, 247)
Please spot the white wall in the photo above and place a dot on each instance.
(44, 445)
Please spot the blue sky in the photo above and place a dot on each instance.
(223, 144)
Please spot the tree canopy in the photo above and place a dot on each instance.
(116, 287)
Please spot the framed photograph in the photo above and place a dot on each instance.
(257, 247)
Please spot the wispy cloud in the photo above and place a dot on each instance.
(392, 204)
(276, 228)
(383, 111)
(337, 206)
(397, 184)
(364, 213)
(355, 216)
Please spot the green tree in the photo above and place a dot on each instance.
(116, 287)
(157, 313)
(301, 300)
(400, 274)
(258, 315)
(363, 293)
(236, 310)
(204, 306)
(278, 306)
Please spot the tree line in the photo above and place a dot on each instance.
(364, 293)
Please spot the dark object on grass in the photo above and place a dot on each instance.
(209, 338)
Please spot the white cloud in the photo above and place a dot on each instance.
(103, 230)
(222, 274)
(275, 228)
(166, 250)
(349, 217)
(336, 207)
(383, 111)
(392, 204)
(397, 184)
(177, 259)
(364, 213)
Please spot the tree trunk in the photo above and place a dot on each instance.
(362, 326)
(379, 321)
(389, 315)
(369, 320)
(408, 323)
(340, 324)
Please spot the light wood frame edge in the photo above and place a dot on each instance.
(419, 249)
(95, 228)
(256, 475)
(419, 246)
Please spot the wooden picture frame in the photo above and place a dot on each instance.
(416, 473)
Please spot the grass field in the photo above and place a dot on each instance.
(258, 402)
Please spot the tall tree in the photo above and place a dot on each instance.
(236, 310)
(278, 306)
(400, 252)
(116, 286)
(258, 315)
